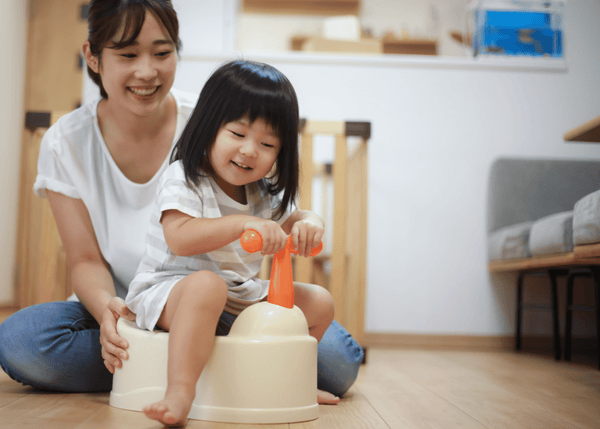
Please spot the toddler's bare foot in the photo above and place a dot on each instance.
(326, 398)
(174, 409)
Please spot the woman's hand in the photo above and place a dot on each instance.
(274, 238)
(306, 234)
(113, 346)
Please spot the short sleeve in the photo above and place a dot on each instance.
(54, 173)
(175, 194)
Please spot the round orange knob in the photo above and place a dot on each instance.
(251, 241)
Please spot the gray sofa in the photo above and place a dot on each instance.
(541, 208)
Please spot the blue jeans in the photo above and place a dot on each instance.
(56, 346)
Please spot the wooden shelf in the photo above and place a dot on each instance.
(365, 45)
(321, 44)
(303, 7)
(586, 132)
(409, 46)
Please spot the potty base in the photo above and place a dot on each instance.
(264, 371)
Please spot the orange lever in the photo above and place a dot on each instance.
(281, 285)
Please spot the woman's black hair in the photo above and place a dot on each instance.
(236, 90)
(105, 18)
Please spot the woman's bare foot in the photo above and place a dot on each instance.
(326, 398)
(174, 409)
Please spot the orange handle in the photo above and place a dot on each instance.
(252, 242)
(281, 285)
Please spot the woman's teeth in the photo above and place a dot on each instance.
(143, 92)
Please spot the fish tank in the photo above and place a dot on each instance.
(526, 28)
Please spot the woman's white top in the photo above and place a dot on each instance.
(75, 161)
(160, 269)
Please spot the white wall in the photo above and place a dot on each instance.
(13, 33)
(436, 132)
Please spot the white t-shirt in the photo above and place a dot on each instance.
(160, 269)
(75, 161)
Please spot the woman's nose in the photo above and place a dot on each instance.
(146, 69)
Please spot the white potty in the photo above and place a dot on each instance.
(264, 371)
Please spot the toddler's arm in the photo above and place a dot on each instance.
(186, 235)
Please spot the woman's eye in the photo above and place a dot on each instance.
(236, 134)
(128, 55)
(268, 145)
(163, 54)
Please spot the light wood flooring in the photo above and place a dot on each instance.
(397, 388)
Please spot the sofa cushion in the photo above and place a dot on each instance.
(586, 220)
(509, 242)
(552, 234)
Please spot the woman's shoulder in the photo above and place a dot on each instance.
(73, 127)
(186, 101)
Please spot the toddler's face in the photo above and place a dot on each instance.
(243, 152)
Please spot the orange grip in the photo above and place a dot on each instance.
(314, 251)
(281, 284)
(251, 241)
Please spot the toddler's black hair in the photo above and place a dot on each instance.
(244, 89)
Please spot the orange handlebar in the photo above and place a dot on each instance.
(252, 242)
(281, 285)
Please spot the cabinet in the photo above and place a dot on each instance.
(53, 86)
(42, 272)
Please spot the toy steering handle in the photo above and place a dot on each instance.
(281, 285)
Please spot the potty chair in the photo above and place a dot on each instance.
(264, 371)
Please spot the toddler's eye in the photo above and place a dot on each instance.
(128, 55)
(268, 145)
(236, 134)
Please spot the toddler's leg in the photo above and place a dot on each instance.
(191, 316)
(317, 305)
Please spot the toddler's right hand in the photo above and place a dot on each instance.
(113, 345)
(274, 238)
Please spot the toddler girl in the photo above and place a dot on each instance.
(234, 168)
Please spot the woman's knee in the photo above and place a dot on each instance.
(339, 360)
(44, 345)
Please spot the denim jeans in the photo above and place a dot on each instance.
(56, 346)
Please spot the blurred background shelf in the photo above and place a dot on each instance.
(586, 132)
(386, 45)
(305, 7)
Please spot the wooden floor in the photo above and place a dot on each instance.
(397, 388)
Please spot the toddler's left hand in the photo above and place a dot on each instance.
(306, 234)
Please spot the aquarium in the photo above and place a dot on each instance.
(516, 28)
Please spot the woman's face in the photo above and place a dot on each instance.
(139, 76)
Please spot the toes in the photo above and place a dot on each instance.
(171, 420)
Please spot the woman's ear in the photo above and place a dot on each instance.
(91, 60)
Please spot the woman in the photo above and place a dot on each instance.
(99, 167)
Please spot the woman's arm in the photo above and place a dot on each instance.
(90, 276)
(306, 228)
(186, 235)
